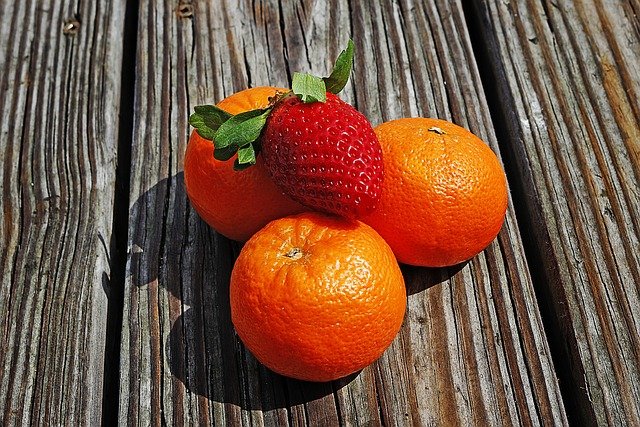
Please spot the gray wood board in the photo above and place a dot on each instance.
(472, 349)
(568, 78)
(59, 132)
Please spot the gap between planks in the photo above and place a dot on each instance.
(120, 221)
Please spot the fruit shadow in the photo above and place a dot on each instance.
(419, 279)
(173, 249)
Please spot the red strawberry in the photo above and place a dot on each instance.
(324, 155)
(317, 148)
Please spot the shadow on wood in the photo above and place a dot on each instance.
(419, 279)
(193, 263)
(254, 388)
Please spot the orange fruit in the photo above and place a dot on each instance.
(315, 297)
(444, 196)
(234, 203)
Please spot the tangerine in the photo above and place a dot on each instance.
(315, 297)
(444, 197)
(234, 203)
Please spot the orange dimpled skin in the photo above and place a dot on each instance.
(315, 297)
(234, 203)
(445, 194)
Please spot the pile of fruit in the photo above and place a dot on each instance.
(328, 206)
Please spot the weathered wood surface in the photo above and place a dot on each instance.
(568, 80)
(59, 98)
(472, 349)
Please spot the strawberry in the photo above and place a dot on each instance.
(324, 155)
(318, 149)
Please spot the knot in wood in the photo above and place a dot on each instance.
(185, 10)
(71, 26)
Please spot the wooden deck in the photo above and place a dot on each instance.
(114, 294)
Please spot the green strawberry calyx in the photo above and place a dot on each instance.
(240, 134)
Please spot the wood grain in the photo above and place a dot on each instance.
(60, 86)
(472, 349)
(568, 78)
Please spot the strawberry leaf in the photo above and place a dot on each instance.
(308, 88)
(341, 71)
(207, 119)
(224, 154)
(239, 131)
(246, 157)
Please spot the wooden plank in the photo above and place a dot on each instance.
(569, 77)
(60, 86)
(472, 349)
